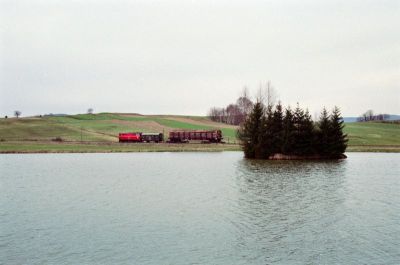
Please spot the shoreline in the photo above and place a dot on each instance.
(46, 146)
(32, 147)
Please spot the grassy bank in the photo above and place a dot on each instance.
(107, 147)
(99, 133)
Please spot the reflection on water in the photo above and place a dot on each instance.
(198, 208)
(286, 207)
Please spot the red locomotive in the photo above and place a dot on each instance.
(213, 136)
(130, 137)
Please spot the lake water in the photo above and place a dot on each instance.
(198, 208)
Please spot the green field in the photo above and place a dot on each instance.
(373, 133)
(373, 137)
(108, 147)
(99, 133)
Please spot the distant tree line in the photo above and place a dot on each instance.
(269, 130)
(234, 113)
(370, 116)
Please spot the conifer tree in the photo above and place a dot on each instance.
(337, 139)
(250, 130)
(277, 129)
(323, 133)
(298, 117)
(265, 148)
(304, 133)
(308, 135)
(288, 132)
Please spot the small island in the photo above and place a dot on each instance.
(272, 132)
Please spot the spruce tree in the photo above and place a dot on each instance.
(266, 141)
(323, 133)
(298, 118)
(308, 135)
(337, 139)
(304, 132)
(277, 129)
(288, 132)
(250, 129)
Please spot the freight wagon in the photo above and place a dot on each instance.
(213, 136)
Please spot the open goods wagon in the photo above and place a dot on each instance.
(213, 136)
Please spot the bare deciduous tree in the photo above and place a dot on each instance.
(233, 114)
(267, 94)
(217, 114)
(213, 114)
(17, 113)
(369, 114)
(236, 113)
(90, 111)
(270, 94)
(244, 102)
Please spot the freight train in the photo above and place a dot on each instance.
(177, 136)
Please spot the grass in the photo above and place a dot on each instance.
(106, 147)
(372, 148)
(99, 133)
(373, 133)
(38, 129)
(180, 125)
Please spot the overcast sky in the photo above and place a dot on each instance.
(183, 57)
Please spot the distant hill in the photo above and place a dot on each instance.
(392, 117)
(350, 119)
(40, 133)
(55, 115)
